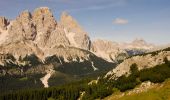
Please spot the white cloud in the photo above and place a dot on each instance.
(120, 21)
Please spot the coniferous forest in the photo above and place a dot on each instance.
(103, 88)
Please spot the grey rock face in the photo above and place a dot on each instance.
(39, 32)
(76, 35)
(57, 38)
(111, 51)
(21, 48)
(108, 50)
(45, 23)
(44, 20)
(22, 28)
(3, 23)
(36, 27)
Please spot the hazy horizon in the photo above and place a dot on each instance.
(115, 20)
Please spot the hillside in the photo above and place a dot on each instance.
(143, 61)
(156, 92)
(137, 81)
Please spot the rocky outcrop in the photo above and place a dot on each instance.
(142, 88)
(75, 34)
(21, 49)
(36, 27)
(107, 49)
(142, 62)
(44, 20)
(3, 23)
(22, 28)
(41, 28)
(113, 51)
(69, 54)
(57, 38)
(4, 58)
(45, 24)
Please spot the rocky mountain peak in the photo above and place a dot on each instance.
(3, 23)
(22, 28)
(139, 41)
(43, 19)
(36, 26)
(106, 49)
(65, 14)
(41, 28)
(70, 23)
(25, 15)
(76, 35)
(45, 23)
(43, 11)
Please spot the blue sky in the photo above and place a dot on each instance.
(115, 20)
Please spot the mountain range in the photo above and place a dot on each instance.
(42, 34)
(36, 44)
(37, 51)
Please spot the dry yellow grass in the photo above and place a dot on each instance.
(158, 92)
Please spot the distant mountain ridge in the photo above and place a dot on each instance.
(111, 50)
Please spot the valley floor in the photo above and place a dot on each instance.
(155, 92)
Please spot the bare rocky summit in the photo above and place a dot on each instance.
(45, 24)
(22, 28)
(76, 35)
(40, 29)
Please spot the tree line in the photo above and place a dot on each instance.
(102, 89)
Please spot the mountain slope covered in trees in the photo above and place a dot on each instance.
(99, 89)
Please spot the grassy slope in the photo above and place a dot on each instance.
(156, 93)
